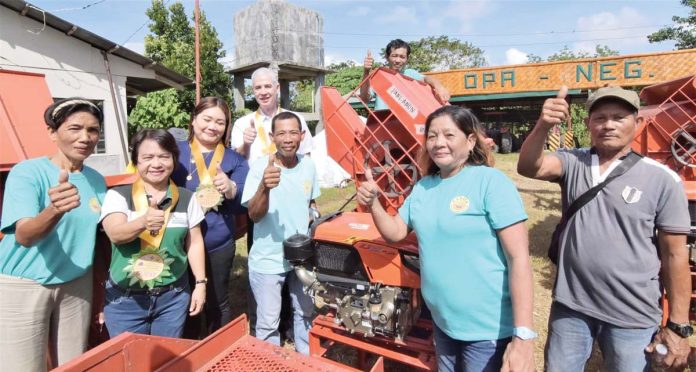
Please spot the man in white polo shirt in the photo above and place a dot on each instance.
(250, 132)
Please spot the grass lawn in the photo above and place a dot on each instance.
(542, 203)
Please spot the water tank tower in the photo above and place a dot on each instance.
(281, 36)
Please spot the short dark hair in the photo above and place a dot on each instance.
(468, 123)
(396, 44)
(206, 103)
(163, 138)
(285, 115)
(56, 114)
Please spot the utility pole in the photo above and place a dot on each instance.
(198, 52)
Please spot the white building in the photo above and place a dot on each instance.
(78, 63)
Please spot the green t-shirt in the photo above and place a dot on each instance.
(66, 253)
(125, 258)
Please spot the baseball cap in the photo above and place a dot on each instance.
(628, 96)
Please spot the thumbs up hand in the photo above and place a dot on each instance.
(223, 184)
(555, 110)
(369, 61)
(368, 191)
(154, 217)
(64, 196)
(271, 175)
(250, 133)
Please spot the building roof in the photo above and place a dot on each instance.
(164, 77)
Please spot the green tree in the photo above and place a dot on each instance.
(566, 54)
(158, 110)
(684, 31)
(171, 43)
(440, 53)
(578, 113)
(345, 77)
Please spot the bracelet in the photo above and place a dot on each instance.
(202, 281)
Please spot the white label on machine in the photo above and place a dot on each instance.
(420, 128)
(358, 226)
(403, 101)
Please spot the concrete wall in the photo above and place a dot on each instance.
(274, 30)
(72, 68)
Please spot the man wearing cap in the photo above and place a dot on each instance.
(618, 250)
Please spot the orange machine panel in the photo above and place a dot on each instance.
(352, 227)
(668, 131)
(387, 142)
(383, 264)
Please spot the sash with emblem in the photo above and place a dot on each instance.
(206, 194)
(151, 264)
(267, 146)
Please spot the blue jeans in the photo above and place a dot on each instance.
(469, 356)
(267, 289)
(571, 335)
(158, 315)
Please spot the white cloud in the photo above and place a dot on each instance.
(136, 46)
(464, 13)
(399, 14)
(515, 57)
(331, 58)
(617, 30)
(359, 11)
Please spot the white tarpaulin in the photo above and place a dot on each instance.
(330, 173)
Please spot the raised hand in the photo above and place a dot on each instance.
(154, 217)
(64, 196)
(250, 133)
(271, 175)
(221, 182)
(368, 191)
(555, 110)
(369, 61)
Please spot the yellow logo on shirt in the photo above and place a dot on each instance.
(459, 204)
(94, 205)
(307, 187)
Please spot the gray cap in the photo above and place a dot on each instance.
(619, 93)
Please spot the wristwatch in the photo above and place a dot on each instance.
(524, 333)
(202, 281)
(683, 330)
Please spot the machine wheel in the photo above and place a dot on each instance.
(505, 143)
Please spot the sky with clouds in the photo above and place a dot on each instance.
(507, 31)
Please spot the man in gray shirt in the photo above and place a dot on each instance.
(619, 250)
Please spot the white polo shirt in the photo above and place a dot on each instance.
(263, 122)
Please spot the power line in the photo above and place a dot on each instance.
(490, 34)
(511, 44)
(77, 8)
(141, 27)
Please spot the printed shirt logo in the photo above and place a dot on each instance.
(307, 187)
(94, 205)
(459, 204)
(631, 194)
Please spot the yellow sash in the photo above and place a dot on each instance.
(141, 204)
(267, 146)
(206, 175)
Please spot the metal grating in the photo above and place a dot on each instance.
(253, 355)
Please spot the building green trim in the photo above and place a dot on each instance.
(486, 97)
